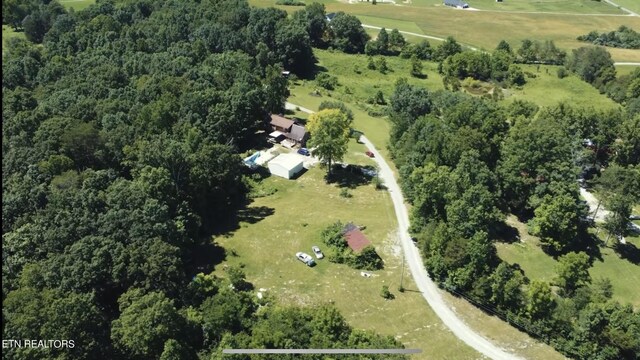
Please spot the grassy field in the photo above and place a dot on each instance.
(8, 33)
(299, 210)
(632, 5)
(538, 265)
(555, 6)
(625, 69)
(547, 89)
(76, 4)
(485, 29)
(391, 24)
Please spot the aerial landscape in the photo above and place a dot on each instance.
(321, 179)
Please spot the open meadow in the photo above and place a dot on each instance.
(539, 266)
(485, 29)
(291, 219)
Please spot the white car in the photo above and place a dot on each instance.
(317, 252)
(305, 258)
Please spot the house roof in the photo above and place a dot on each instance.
(355, 238)
(287, 161)
(297, 132)
(280, 121)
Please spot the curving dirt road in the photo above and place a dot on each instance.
(427, 287)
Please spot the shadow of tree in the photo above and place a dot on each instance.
(204, 257)
(350, 176)
(505, 233)
(628, 252)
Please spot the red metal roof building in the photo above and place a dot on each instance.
(355, 238)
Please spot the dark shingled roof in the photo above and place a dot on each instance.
(279, 121)
(297, 132)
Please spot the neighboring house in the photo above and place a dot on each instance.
(456, 4)
(287, 128)
(281, 123)
(355, 238)
(286, 165)
(298, 134)
(330, 16)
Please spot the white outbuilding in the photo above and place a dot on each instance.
(286, 165)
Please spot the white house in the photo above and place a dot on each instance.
(286, 165)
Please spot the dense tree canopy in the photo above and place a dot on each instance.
(121, 142)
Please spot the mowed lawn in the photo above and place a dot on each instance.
(624, 275)
(300, 209)
(556, 6)
(485, 29)
(633, 5)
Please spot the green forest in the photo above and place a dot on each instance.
(123, 125)
(122, 129)
(466, 162)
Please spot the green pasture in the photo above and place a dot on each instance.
(279, 225)
(551, 6)
(390, 24)
(547, 89)
(624, 275)
(8, 33)
(485, 29)
(76, 4)
(632, 5)
(625, 69)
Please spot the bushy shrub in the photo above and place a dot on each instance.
(327, 81)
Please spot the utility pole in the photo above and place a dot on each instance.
(401, 289)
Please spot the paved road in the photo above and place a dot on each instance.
(426, 286)
(627, 63)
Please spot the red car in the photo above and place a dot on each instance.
(369, 154)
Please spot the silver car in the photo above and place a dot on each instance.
(317, 252)
(305, 258)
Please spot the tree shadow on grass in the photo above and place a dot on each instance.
(506, 233)
(628, 252)
(350, 176)
(204, 257)
(247, 214)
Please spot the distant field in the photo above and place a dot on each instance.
(625, 69)
(559, 6)
(76, 4)
(633, 5)
(547, 89)
(538, 265)
(485, 29)
(390, 24)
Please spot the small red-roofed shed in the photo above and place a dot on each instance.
(355, 238)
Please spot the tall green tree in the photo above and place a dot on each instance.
(146, 322)
(329, 131)
(557, 222)
(573, 271)
(348, 34)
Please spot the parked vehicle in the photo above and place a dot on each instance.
(369, 154)
(305, 258)
(317, 252)
(304, 151)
